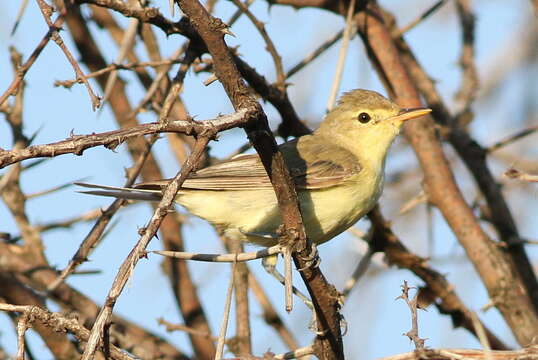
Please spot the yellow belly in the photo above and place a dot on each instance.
(253, 215)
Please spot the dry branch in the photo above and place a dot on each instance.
(127, 268)
(76, 144)
(184, 289)
(498, 271)
(447, 301)
(323, 295)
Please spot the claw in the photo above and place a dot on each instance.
(227, 31)
(269, 264)
(312, 260)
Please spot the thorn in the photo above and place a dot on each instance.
(227, 31)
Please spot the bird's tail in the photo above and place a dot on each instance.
(121, 192)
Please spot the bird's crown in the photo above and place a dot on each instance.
(364, 99)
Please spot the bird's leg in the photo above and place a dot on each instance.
(269, 264)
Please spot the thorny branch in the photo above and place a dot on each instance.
(442, 190)
(473, 155)
(127, 268)
(59, 323)
(413, 307)
(441, 291)
(323, 296)
(76, 144)
(46, 10)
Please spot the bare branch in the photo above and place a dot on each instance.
(46, 10)
(426, 14)
(149, 232)
(57, 322)
(236, 257)
(412, 304)
(23, 69)
(516, 174)
(342, 55)
(270, 46)
(225, 316)
(467, 354)
(76, 144)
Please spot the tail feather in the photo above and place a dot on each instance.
(122, 193)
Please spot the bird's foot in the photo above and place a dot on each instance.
(313, 325)
(312, 260)
(269, 264)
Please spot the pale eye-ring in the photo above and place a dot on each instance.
(364, 117)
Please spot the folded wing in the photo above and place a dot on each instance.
(312, 165)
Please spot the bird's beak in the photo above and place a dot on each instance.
(410, 113)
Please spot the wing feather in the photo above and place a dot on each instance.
(325, 169)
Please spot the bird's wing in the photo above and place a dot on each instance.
(247, 171)
(328, 164)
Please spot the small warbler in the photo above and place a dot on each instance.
(338, 172)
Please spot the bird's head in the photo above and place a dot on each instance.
(366, 121)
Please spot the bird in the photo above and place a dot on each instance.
(338, 172)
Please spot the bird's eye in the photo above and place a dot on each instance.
(364, 117)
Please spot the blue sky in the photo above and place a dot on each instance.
(376, 321)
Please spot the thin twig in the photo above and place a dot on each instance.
(236, 15)
(23, 69)
(412, 304)
(52, 190)
(96, 233)
(225, 316)
(20, 13)
(126, 46)
(421, 18)
(55, 36)
(519, 175)
(180, 327)
(418, 199)
(157, 81)
(22, 326)
(243, 333)
(288, 279)
(314, 54)
(76, 144)
(239, 257)
(359, 271)
(177, 82)
(127, 267)
(115, 66)
(512, 138)
(67, 223)
(469, 84)
(296, 354)
(270, 46)
(342, 56)
(467, 354)
(479, 329)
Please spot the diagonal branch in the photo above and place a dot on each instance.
(127, 268)
(474, 157)
(448, 302)
(496, 269)
(325, 300)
